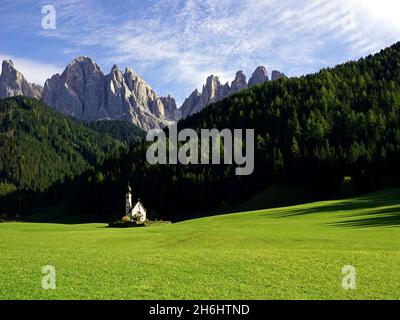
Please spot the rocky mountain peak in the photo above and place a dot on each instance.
(211, 89)
(214, 91)
(13, 83)
(239, 83)
(7, 68)
(83, 60)
(7, 63)
(117, 73)
(277, 75)
(83, 91)
(83, 65)
(170, 108)
(115, 68)
(9, 74)
(260, 75)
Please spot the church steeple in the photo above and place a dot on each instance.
(128, 200)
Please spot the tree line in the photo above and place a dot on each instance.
(318, 130)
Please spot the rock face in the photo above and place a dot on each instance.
(78, 91)
(214, 91)
(13, 83)
(260, 75)
(239, 83)
(276, 75)
(190, 104)
(84, 92)
(171, 110)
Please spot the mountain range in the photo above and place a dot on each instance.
(214, 90)
(83, 91)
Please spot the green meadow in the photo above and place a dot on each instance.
(286, 253)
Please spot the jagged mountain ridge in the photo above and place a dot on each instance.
(214, 90)
(13, 83)
(83, 91)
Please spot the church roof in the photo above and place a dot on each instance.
(139, 205)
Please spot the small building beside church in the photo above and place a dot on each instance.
(137, 212)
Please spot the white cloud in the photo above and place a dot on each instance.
(33, 71)
(177, 44)
(385, 10)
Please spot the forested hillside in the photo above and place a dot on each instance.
(319, 128)
(123, 131)
(337, 129)
(40, 147)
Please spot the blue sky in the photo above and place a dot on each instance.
(176, 44)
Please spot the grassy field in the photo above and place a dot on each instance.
(286, 253)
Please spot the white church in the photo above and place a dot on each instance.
(136, 213)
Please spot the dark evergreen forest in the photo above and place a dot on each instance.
(323, 130)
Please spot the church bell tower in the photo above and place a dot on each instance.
(128, 200)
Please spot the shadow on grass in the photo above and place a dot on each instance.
(381, 209)
(389, 217)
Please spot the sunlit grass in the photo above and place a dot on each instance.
(285, 253)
